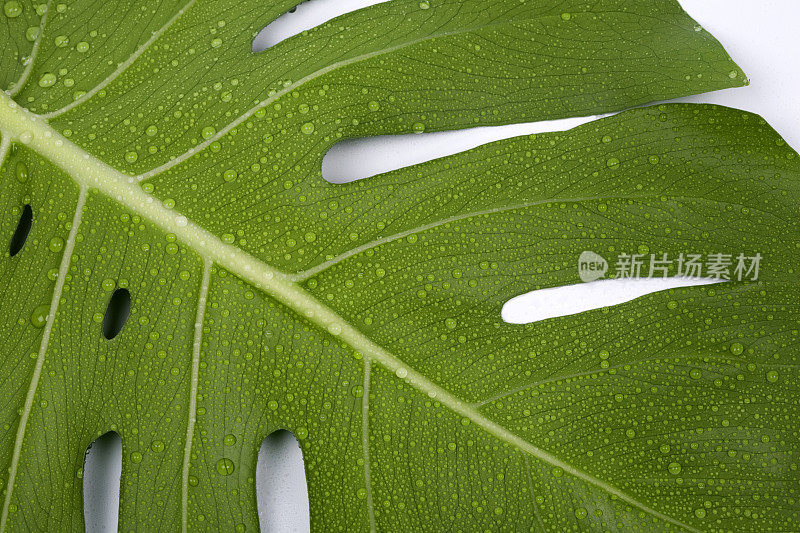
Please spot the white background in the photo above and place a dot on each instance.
(762, 36)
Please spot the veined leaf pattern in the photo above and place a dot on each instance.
(160, 156)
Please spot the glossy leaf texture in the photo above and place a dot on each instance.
(190, 282)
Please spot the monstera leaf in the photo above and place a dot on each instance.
(151, 159)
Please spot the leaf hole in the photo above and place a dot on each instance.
(356, 159)
(23, 230)
(305, 16)
(117, 313)
(555, 302)
(281, 490)
(102, 472)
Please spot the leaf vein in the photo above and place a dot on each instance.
(69, 246)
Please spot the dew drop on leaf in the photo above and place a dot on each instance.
(48, 79)
(39, 316)
(56, 244)
(22, 172)
(225, 466)
(12, 9)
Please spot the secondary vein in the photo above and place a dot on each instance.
(122, 67)
(192, 417)
(23, 79)
(37, 372)
(304, 275)
(365, 442)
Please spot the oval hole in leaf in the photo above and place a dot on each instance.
(281, 490)
(102, 471)
(556, 302)
(117, 313)
(305, 16)
(356, 159)
(23, 230)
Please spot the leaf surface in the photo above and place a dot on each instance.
(160, 156)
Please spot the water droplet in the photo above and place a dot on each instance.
(32, 33)
(216, 43)
(39, 316)
(136, 458)
(56, 244)
(613, 162)
(401, 373)
(566, 16)
(12, 9)
(131, 157)
(424, 4)
(736, 348)
(230, 440)
(307, 128)
(230, 175)
(48, 79)
(22, 172)
(61, 41)
(157, 446)
(418, 127)
(208, 132)
(700, 513)
(225, 466)
(674, 468)
(82, 47)
(772, 376)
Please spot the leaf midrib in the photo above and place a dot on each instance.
(91, 173)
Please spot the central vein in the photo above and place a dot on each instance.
(20, 125)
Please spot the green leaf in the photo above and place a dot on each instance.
(159, 155)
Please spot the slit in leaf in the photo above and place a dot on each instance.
(555, 302)
(23, 229)
(281, 491)
(102, 469)
(304, 16)
(117, 313)
(355, 159)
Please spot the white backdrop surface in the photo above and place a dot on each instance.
(761, 36)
